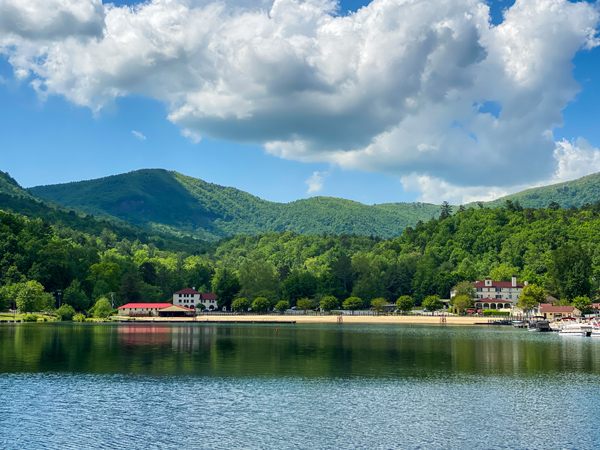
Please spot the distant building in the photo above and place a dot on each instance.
(190, 298)
(552, 312)
(496, 294)
(153, 310)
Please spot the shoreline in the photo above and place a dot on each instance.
(409, 320)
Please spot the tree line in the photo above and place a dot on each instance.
(554, 248)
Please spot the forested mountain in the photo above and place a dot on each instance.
(13, 198)
(570, 193)
(167, 201)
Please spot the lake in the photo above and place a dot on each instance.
(321, 386)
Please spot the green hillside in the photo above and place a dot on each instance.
(167, 201)
(570, 193)
(14, 199)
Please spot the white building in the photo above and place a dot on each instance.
(190, 298)
(496, 294)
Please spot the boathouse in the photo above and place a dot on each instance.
(142, 309)
(552, 312)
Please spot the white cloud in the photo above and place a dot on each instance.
(138, 135)
(399, 87)
(192, 136)
(315, 182)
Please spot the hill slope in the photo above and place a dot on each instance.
(171, 202)
(14, 199)
(570, 193)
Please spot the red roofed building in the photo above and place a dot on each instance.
(190, 298)
(154, 310)
(501, 294)
(142, 309)
(556, 312)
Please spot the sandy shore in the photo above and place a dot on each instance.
(425, 320)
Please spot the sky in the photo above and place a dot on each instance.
(383, 101)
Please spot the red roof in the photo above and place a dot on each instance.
(498, 284)
(146, 305)
(548, 308)
(208, 296)
(187, 291)
(492, 300)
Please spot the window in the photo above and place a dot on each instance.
(499, 297)
(479, 289)
(498, 289)
(179, 295)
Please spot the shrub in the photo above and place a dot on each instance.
(241, 304)
(282, 306)
(304, 304)
(260, 304)
(79, 318)
(352, 303)
(328, 303)
(493, 312)
(30, 318)
(65, 312)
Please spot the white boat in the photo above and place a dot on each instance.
(574, 328)
(595, 328)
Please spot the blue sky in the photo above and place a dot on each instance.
(55, 140)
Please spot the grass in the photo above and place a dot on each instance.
(10, 316)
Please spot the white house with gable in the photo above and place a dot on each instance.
(496, 294)
(189, 298)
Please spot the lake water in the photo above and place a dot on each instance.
(145, 386)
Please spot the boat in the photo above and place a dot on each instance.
(574, 328)
(595, 328)
(538, 324)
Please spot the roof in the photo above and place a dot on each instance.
(498, 284)
(208, 296)
(187, 291)
(176, 307)
(145, 305)
(548, 308)
(492, 300)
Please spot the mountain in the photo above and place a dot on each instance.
(167, 201)
(570, 193)
(15, 199)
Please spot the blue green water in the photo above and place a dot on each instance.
(303, 386)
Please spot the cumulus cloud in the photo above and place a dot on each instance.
(400, 87)
(138, 135)
(51, 19)
(192, 136)
(315, 182)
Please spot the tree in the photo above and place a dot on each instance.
(405, 303)
(102, 308)
(570, 271)
(201, 306)
(299, 286)
(226, 285)
(432, 303)
(378, 304)
(304, 304)
(65, 312)
(282, 306)
(8, 294)
(260, 304)
(328, 303)
(241, 304)
(31, 297)
(583, 304)
(74, 296)
(503, 273)
(352, 303)
(466, 288)
(462, 302)
(445, 210)
(531, 297)
(259, 279)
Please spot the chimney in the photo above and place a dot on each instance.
(514, 281)
(194, 288)
(488, 282)
(525, 283)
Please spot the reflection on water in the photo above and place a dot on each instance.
(292, 350)
(147, 386)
